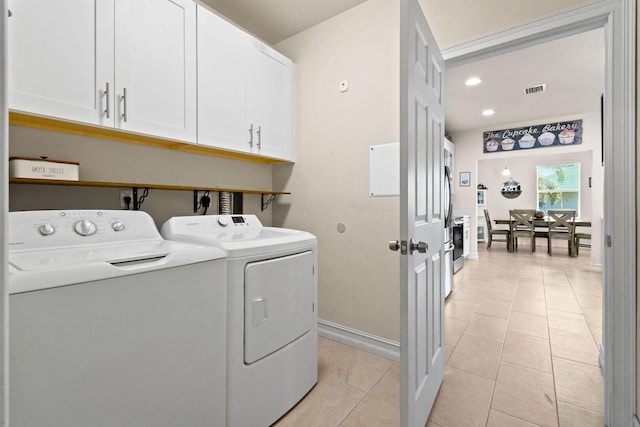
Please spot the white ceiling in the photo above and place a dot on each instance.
(572, 67)
(276, 20)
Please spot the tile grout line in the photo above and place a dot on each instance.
(363, 397)
(582, 312)
(553, 371)
(495, 382)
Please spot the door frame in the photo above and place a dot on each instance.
(618, 18)
(4, 209)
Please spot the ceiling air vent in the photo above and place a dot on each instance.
(535, 89)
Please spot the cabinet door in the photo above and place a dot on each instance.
(61, 59)
(270, 101)
(155, 67)
(221, 83)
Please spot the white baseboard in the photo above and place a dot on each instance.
(360, 340)
(472, 255)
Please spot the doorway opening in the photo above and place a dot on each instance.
(619, 228)
(548, 307)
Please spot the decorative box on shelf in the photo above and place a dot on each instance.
(43, 168)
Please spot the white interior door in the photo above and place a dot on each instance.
(4, 228)
(422, 358)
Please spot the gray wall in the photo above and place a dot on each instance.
(358, 277)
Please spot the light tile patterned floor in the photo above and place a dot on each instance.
(521, 332)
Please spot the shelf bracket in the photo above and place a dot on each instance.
(265, 203)
(137, 201)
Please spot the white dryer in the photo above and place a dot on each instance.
(111, 325)
(271, 313)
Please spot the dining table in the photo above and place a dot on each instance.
(542, 222)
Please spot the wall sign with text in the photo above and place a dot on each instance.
(535, 136)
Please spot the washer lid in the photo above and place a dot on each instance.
(116, 255)
(35, 270)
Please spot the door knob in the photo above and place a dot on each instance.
(394, 245)
(421, 247)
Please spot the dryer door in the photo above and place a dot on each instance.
(279, 303)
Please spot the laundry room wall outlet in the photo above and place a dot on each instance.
(123, 203)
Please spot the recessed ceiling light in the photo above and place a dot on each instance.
(472, 81)
(488, 112)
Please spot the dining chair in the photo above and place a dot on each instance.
(561, 226)
(582, 236)
(496, 232)
(540, 229)
(522, 226)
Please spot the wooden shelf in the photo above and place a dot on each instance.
(46, 123)
(49, 124)
(138, 185)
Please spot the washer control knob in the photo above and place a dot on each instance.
(223, 221)
(84, 227)
(117, 226)
(46, 229)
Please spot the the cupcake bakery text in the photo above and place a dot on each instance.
(534, 136)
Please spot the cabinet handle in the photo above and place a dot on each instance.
(106, 91)
(124, 100)
(259, 136)
(9, 13)
(251, 136)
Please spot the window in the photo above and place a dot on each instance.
(559, 187)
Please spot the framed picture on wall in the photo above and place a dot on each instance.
(465, 179)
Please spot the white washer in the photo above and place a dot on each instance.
(111, 325)
(272, 318)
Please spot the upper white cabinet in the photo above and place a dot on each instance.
(269, 101)
(155, 67)
(128, 64)
(61, 59)
(164, 68)
(221, 83)
(245, 91)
